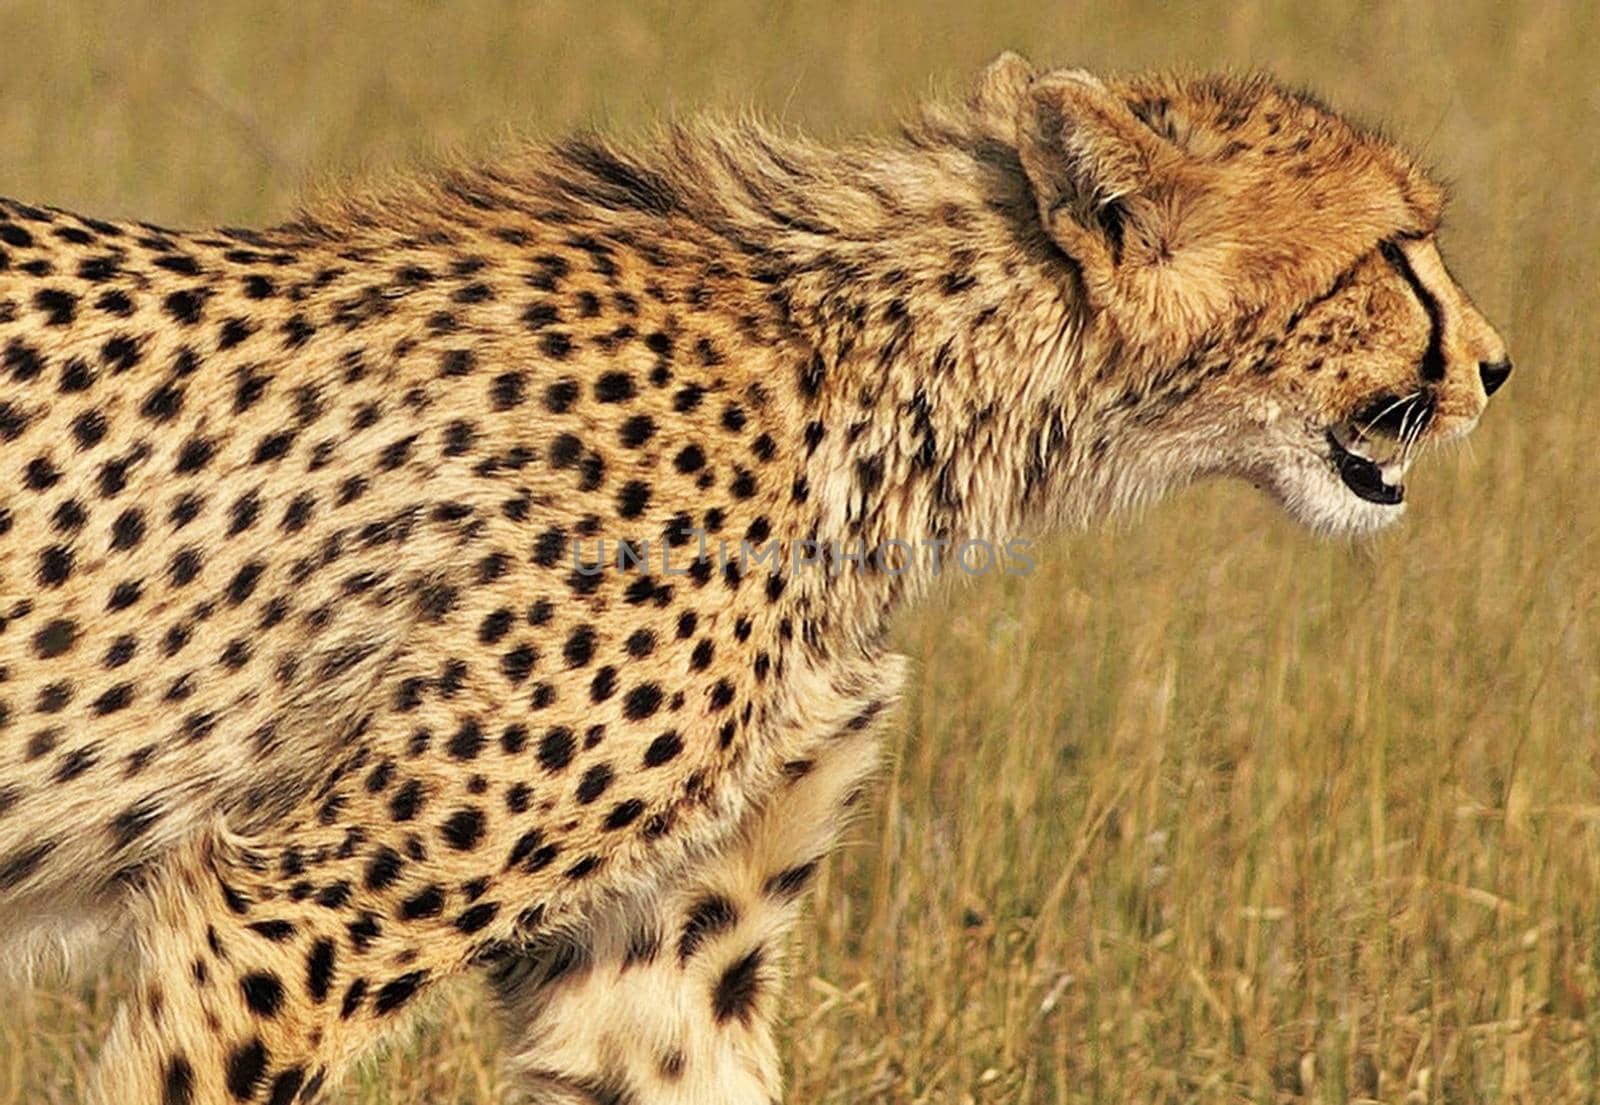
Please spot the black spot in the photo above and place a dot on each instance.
(88, 429)
(637, 430)
(633, 498)
(464, 829)
(236, 655)
(517, 664)
(689, 459)
(115, 303)
(285, 1086)
(671, 1066)
(532, 852)
(244, 582)
(184, 306)
(296, 331)
(468, 740)
(234, 331)
(559, 396)
(275, 931)
(710, 916)
(458, 438)
(185, 510)
(121, 651)
(615, 387)
(23, 361)
(76, 376)
(333, 896)
(185, 566)
(124, 595)
(178, 263)
(790, 882)
(19, 865)
(367, 416)
(624, 814)
(736, 991)
(319, 969)
(688, 398)
(556, 748)
(383, 869)
(477, 917)
(195, 455)
(565, 450)
(55, 565)
(54, 638)
(244, 514)
(579, 647)
(120, 353)
(603, 685)
(246, 1066)
(494, 626)
(273, 447)
(263, 993)
(178, 1083)
(664, 748)
(40, 474)
(641, 702)
(594, 783)
(539, 315)
(353, 997)
(585, 867)
(509, 390)
(112, 700)
(248, 389)
(395, 994)
(556, 344)
(60, 307)
(427, 902)
(593, 471)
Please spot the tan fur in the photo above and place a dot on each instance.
(297, 677)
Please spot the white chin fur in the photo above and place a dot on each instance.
(1313, 495)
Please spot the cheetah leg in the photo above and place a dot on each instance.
(241, 998)
(671, 1002)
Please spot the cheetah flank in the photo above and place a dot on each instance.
(312, 679)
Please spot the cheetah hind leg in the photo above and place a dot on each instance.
(673, 1002)
(239, 998)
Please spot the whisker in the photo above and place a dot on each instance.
(1384, 413)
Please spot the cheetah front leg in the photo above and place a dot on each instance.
(672, 1001)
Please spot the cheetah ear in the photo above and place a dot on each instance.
(1096, 171)
(999, 91)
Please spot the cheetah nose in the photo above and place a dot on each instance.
(1493, 375)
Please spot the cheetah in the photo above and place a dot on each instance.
(374, 598)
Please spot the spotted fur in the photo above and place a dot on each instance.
(299, 678)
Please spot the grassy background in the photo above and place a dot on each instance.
(1202, 811)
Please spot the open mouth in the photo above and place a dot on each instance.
(1366, 477)
(1372, 450)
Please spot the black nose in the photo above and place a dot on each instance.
(1493, 375)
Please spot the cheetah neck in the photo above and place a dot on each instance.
(950, 383)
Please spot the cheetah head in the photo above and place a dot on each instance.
(1268, 274)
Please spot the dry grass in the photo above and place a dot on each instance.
(1203, 811)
